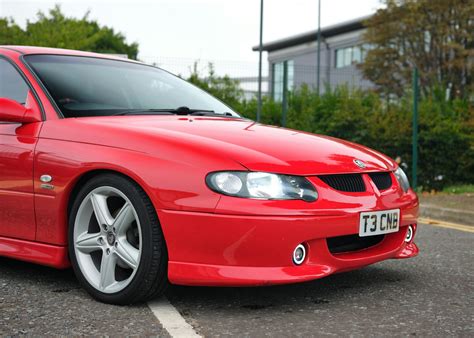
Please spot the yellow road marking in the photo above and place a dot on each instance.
(447, 225)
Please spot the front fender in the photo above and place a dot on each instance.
(172, 183)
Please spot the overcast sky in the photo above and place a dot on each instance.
(173, 34)
(222, 30)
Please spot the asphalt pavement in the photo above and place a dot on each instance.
(430, 295)
(39, 301)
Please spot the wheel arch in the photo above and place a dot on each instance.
(81, 180)
(87, 176)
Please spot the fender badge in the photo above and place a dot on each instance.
(46, 179)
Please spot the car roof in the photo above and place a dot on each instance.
(29, 50)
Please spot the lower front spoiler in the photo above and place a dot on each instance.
(235, 276)
(249, 250)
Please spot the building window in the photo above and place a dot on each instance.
(291, 74)
(351, 55)
(278, 81)
(282, 71)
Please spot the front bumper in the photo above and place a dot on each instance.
(247, 250)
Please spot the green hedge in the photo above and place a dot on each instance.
(446, 140)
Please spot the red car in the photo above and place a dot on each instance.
(138, 179)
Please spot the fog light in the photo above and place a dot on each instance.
(299, 254)
(409, 235)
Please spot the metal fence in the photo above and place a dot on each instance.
(272, 79)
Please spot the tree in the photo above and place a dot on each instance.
(223, 87)
(56, 30)
(436, 36)
(10, 32)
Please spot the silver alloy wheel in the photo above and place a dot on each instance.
(107, 239)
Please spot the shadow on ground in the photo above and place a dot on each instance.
(320, 292)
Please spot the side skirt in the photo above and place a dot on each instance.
(34, 252)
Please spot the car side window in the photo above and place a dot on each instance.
(12, 84)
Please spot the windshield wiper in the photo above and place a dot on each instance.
(177, 111)
(145, 112)
(211, 113)
(201, 112)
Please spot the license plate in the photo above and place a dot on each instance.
(379, 222)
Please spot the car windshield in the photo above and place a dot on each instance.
(87, 86)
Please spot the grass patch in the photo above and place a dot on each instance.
(459, 189)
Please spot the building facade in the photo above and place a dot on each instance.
(293, 60)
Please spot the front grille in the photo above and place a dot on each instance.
(344, 182)
(352, 243)
(383, 181)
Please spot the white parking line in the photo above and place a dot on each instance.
(171, 319)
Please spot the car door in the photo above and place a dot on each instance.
(17, 145)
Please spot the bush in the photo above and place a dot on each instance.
(223, 87)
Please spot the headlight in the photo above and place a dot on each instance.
(262, 185)
(402, 179)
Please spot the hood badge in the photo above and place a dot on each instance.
(359, 163)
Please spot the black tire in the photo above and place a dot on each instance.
(150, 279)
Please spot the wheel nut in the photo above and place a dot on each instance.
(101, 240)
(116, 244)
(107, 251)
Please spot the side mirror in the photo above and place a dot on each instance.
(12, 111)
